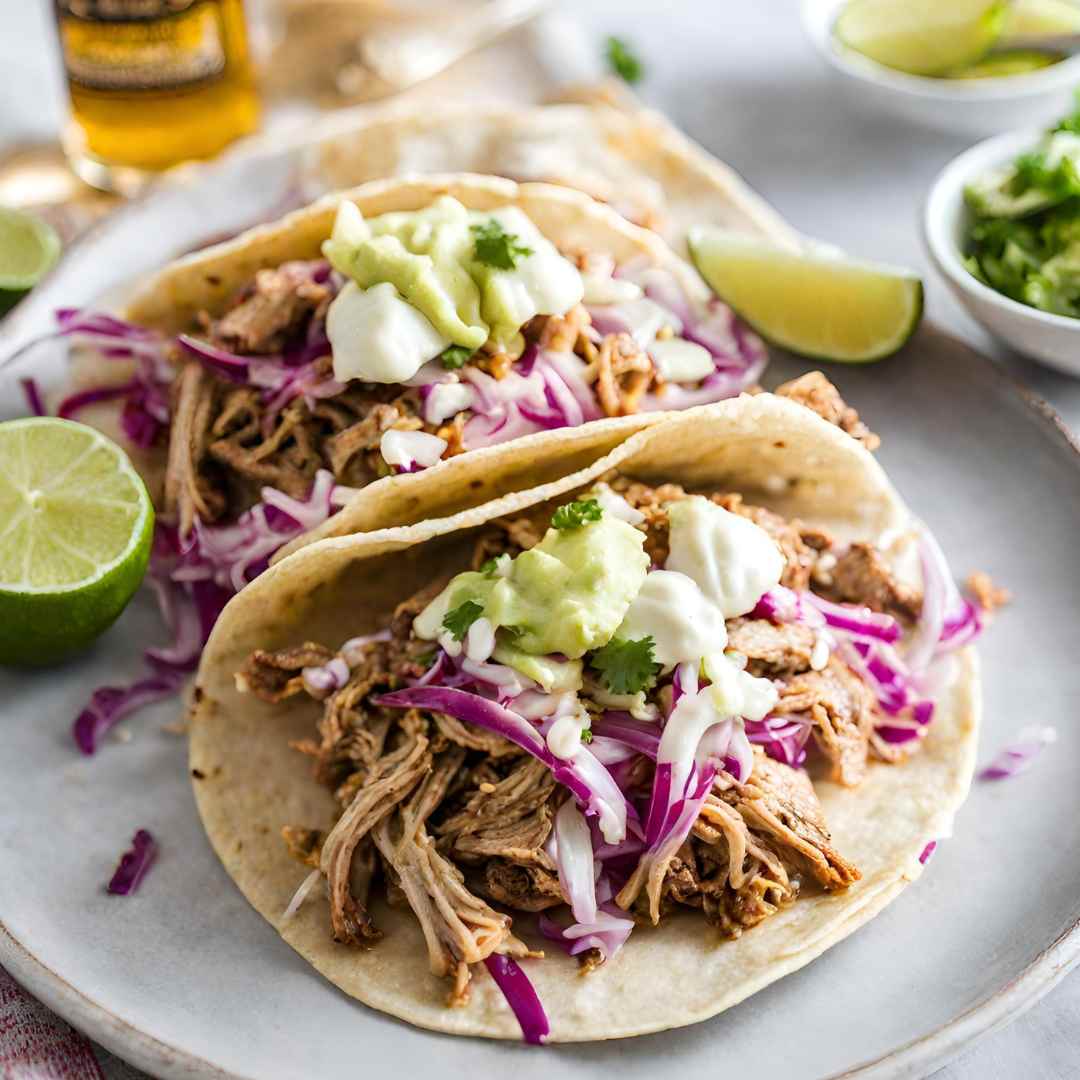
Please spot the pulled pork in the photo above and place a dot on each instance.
(455, 821)
(815, 392)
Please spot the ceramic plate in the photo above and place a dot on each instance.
(185, 980)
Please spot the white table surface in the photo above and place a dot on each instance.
(738, 76)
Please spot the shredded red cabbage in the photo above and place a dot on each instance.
(1018, 756)
(134, 864)
(34, 400)
(583, 774)
(520, 996)
(110, 704)
(927, 852)
(193, 579)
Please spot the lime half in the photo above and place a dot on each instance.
(76, 526)
(28, 251)
(922, 37)
(815, 303)
(1031, 17)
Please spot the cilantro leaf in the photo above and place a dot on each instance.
(461, 618)
(495, 247)
(622, 60)
(586, 735)
(455, 356)
(489, 566)
(626, 666)
(573, 515)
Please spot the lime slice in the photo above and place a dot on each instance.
(76, 526)
(1027, 17)
(921, 37)
(814, 303)
(1007, 62)
(28, 251)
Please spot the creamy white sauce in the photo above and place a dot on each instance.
(681, 361)
(732, 560)
(611, 502)
(541, 283)
(685, 624)
(378, 337)
(447, 399)
(564, 735)
(480, 640)
(408, 448)
(734, 692)
(819, 655)
(732, 696)
(645, 318)
(604, 289)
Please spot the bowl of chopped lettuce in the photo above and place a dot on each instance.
(1002, 225)
(963, 66)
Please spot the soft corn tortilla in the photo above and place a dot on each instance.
(206, 280)
(252, 784)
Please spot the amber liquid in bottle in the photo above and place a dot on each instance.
(153, 83)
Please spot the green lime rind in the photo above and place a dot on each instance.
(29, 249)
(75, 536)
(817, 305)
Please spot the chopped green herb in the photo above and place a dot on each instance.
(495, 247)
(461, 618)
(489, 567)
(622, 60)
(626, 667)
(574, 515)
(1024, 237)
(586, 735)
(455, 357)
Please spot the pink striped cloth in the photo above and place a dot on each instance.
(37, 1045)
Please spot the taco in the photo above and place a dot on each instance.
(402, 324)
(679, 721)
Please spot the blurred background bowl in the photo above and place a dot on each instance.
(1050, 339)
(973, 107)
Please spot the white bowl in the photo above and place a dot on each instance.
(974, 107)
(1051, 339)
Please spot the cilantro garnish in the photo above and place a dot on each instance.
(586, 735)
(626, 667)
(495, 247)
(574, 515)
(489, 566)
(461, 618)
(455, 356)
(622, 60)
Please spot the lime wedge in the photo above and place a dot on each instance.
(815, 303)
(1028, 17)
(28, 251)
(921, 37)
(76, 526)
(1007, 62)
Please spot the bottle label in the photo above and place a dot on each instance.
(141, 44)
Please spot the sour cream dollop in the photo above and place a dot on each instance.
(683, 622)
(377, 337)
(733, 561)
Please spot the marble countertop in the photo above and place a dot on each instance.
(741, 79)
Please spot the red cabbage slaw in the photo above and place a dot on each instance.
(1019, 755)
(903, 683)
(134, 864)
(193, 578)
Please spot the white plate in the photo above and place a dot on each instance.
(185, 980)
